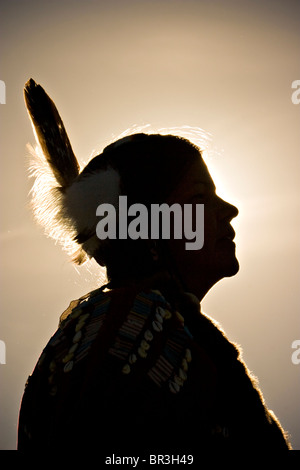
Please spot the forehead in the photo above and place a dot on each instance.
(197, 178)
(198, 173)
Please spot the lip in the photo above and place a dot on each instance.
(229, 235)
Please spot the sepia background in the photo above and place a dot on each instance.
(224, 66)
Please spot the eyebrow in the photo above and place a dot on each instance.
(210, 184)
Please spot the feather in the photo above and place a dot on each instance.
(47, 201)
(51, 134)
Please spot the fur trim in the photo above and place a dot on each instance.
(72, 212)
(82, 198)
(80, 202)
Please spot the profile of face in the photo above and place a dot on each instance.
(200, 269)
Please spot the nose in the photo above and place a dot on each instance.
(227, 211)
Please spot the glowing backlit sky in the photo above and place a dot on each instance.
(226, 67)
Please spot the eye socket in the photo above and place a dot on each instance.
(198, 196)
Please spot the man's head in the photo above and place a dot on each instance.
(157, 169)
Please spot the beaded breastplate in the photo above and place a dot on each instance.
(148, 337)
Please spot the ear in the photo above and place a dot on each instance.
(153, 250)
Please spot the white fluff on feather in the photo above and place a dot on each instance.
(83, 197)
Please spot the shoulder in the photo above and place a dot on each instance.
(137, 332)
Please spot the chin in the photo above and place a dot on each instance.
(227, 265)
(230, 269)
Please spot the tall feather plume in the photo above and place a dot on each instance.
(51, 134)
(54, 168)
(63, 201)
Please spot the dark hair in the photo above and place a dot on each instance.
(150, 167)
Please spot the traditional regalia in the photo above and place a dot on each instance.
(137, 367)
